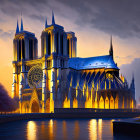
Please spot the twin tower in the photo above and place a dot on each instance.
(54, 40)
(57, 46)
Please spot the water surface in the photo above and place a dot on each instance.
(59, 129)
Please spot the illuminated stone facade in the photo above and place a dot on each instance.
(66, 81)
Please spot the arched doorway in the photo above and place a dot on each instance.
(35, 107)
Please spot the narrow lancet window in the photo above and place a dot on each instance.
(19, 48)
(23, 49)
(57, 42)
(49, 44)
(31, 49)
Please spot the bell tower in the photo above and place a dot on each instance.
(25, 48)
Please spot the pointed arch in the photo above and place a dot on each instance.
(75, 103)
(101, 103)
(106, 103)
(66, 103)
(34, 99)
(111, 102)
(116, 102)
(35, 107)
(25, 107)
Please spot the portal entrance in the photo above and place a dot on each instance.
(35, 107)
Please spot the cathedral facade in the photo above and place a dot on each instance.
(60, 79)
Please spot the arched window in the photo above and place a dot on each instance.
(49, 43)
(57, 42)
(68, 47)
(111, 102)
(19, 50)
(23, 49)
(106, 103)
(31, 49)
(101, 103)
(61, 39)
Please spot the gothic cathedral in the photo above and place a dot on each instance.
(60, 79)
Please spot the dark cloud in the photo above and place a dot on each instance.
(119, 17)
(128, 69)
(38, 17)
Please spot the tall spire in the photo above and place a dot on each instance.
(111, 47)
(17, 29)
(21, 28)
(132, 86)
(46, 25)
(53, 20)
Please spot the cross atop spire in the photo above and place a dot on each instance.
(17, 29)
(21, 28)
(111, 47)
(46, 25)
(53, 20)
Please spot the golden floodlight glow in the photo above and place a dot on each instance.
(100, 128)
(66, 103)
(92, 127)
(31, 130)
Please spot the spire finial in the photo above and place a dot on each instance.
(111, 47)
(53, 20)
(17, 29)
(21, 28)
(46, 25)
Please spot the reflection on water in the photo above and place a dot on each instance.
(31, 130)
(92, 129)
(58, 129)
(76, 130)
(100, 128)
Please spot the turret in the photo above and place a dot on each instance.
(46, 25)
(17, 29)
(71, 44)
(53, 20)
(21, 28)
(25, 44)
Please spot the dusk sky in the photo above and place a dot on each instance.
(93, 21)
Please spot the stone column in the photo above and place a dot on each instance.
(44, 88)
(14, 82)
(21, 83)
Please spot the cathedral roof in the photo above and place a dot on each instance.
(105, 61)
